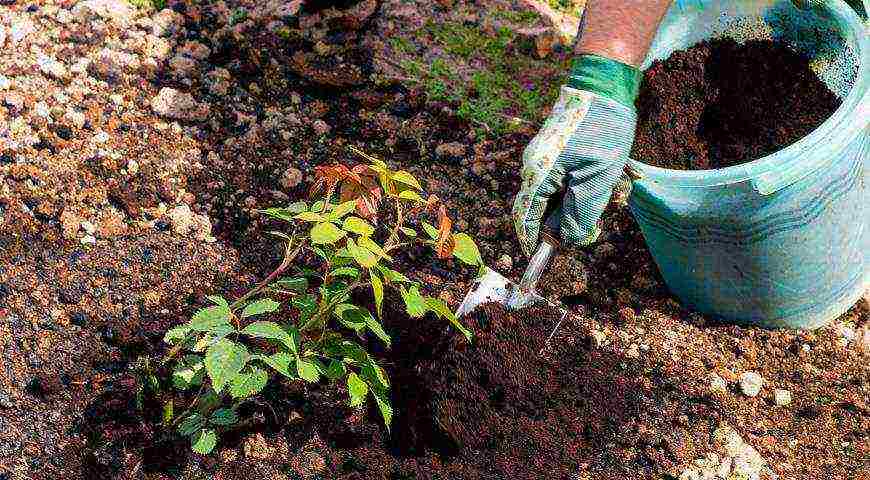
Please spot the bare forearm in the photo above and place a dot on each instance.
(620, 29)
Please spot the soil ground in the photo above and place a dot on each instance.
(135, 147)
(720, 103)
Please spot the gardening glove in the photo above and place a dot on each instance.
(582, 150)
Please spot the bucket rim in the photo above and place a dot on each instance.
(847, 121)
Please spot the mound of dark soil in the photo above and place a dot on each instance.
(721, 103)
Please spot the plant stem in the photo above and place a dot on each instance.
(289, 257)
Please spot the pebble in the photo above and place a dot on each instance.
(599, 338)
(717, 384)
(75, 117)
(781, 397)
(118, 11)
(186, 223)
(51, 67)
(321, 127)
(750, 383)
(177, 105)
(5, 83)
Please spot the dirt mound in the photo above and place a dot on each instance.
(721, 103)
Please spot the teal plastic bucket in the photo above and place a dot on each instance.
(781, 241)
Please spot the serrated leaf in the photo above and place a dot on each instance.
(350, 316)
(249, 382)
(341, 210)
(406, 178)
(216, 334)
(307, 305)
(345, 272)
(326, 233)
(317, 206)
(358, 225)
(466, 250)
(370, 245)
(310, 217)
(224, 417)
(363, 256)
(415, 305)
(261, 306)
(270, 330)
(335, 370)
(376, 375)
(191, 424)
(204, 441)
(288, 212)
(357, 389)
(411, 195)
(298, 284)
(308, 371)
(218, 300)
(223, 362)
(430, 230)
(280, 362)
(375, 327)
(384, 406)
(440, 308)
(206, 319)
(409, 232)
(188, 372)
(176, 335)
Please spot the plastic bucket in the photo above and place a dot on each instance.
(782, 241)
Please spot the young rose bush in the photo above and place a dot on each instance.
(305, 325)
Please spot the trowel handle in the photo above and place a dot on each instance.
(550, 229)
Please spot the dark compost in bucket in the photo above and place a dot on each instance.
(720, 103)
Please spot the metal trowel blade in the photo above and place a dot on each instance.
(493, 287)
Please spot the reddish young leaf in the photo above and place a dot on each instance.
(445, 244)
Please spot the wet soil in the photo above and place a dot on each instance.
(720, 103)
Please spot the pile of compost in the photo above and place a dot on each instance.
(720, 103)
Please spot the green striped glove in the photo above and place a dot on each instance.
(582, 150)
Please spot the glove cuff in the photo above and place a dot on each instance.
(606, 77)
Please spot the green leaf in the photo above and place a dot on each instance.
(310, 217)
(298, 284)
(209, 339)
(168, 412)
(370, 245)
(350, 316)
(308, 371)
(223, 362)
(335, 370)
(377, 291)
(406, 178)
(409, 232)
(363, 256)
(191, 424)
(204, 441)
(440, 308)
(411, 195)
(288, 212)
(218, 300)
(224, 417)
(326, 234)
(384, 406)
(189, 372)
(376, 375)
(345, 272)
(317, 206)
(341, 210)
(376, 328)
(208, 318)
(307, 305)
(250, 382)
(176, 335)
(430, 230)
(270, 330)
(261, 306)
(358, 225)
(392, 276)
(466, 250)
(357, 389)
(280, 362)
(415, 305)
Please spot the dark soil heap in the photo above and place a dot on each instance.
(721, 103)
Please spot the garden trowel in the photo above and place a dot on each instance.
(493, 287)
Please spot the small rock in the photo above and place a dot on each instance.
(5, 83)
(113, 64)
(690, 474)
(118, 11)
(69, 224)
(292, 177)
(862, 339)
(20, 29)
(52, 68)
(186, 223)
(717, 384)
(505, 263)
(183, 67)
(74, 117)
(633, 351)
(88, 227)
(598, 338)
(166, 23)
(171, 103)
(781, 397)
(751, 383)
(194, 49)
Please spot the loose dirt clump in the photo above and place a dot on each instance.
(721, 103)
